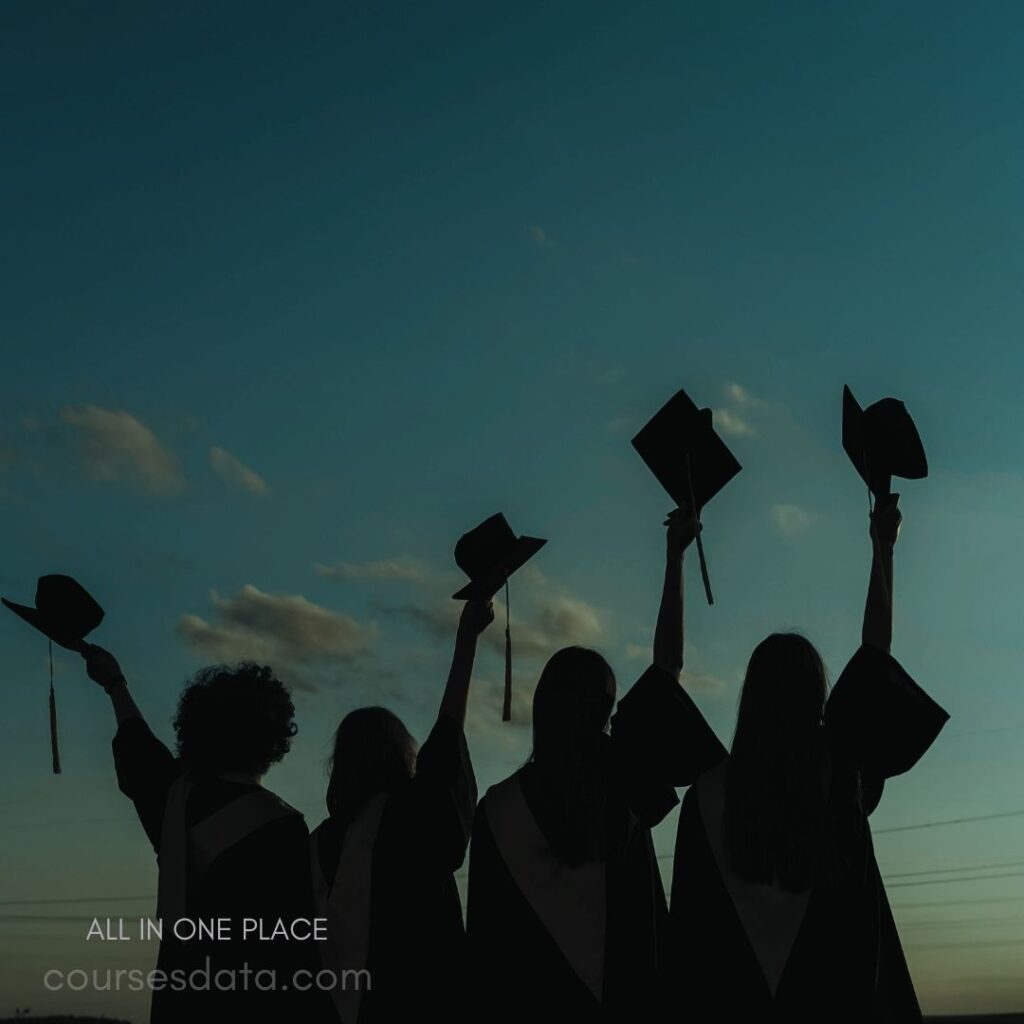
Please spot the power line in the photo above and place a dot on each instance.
(72, 821)
(37, 918)
(670, 856)
(978, 732)
(79, 899)
(957, 903)
(950, 821)
(968, 944)
(1015, 920)
(948, 881)
(946, 871)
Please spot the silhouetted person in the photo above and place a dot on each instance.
(399, 822)
(567, 917)
(227, 847)
(777, 904)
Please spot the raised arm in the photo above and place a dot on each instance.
(885, 528)
(659, 734)
(103, 668)
(476, 617)
(668, 633)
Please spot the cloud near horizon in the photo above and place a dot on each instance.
(287, 631)
(486, 701)
(704, 682)
(545, 617)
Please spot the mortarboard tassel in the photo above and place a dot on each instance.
(506, 711)
(53, 720)
(700, 544)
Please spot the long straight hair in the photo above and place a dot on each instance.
(777, 824)
(373, 753)
(571, 706)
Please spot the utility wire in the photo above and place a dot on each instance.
(950, 821)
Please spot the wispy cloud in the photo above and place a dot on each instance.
(486, 702)
(562, 620)
(621, 425)
(732, 423)
(286, 631)
(544, 618)
(405, 570)
(539, 236)
(236, 473)
(739, 395)
(702, 681)
(734, 418)
(116, 445)
(791, 520)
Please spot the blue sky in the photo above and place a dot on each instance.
(324, 287)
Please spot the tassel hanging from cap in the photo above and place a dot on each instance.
(695, 512)
(506, 711)
(54, 750)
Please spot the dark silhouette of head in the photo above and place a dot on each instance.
(775, 823)
(234, 718)
(373, 753)
(571, 706)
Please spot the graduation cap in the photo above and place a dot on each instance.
(488, 554)
(65, 613)
(882, 442)
(688, 459)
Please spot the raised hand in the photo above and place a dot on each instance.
(101, 666)
(683, 527)
(885, 523)
(476, 617)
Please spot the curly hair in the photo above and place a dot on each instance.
(234, 718)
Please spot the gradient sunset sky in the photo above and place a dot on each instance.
(293, 295)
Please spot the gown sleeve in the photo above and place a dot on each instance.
(145, 770)
(879, 720)
(661, 741)
(444, 794)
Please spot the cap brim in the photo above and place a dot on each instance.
(853, 432)
(515, 558)
(910, 461)
(37, 621)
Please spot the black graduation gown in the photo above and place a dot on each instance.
(265, 875)
(845, 962)
(416, 942)
(524, 968)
